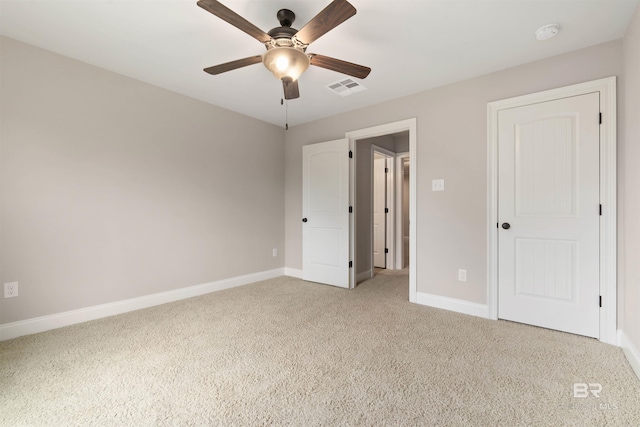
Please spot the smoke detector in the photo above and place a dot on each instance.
(547, 31)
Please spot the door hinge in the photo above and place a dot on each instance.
(386, 210)
(600, 210)
(350, 154)
(386, 170)
(350, 264)
(350, 209)
(600, 301)
(386, 250)
(600, 118)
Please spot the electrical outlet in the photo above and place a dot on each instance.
(462, 275)
(11, 289)
(437, 185)
(275, 252)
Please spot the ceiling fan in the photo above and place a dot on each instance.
(286, 55)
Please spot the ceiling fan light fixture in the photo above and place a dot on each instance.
(286, 62)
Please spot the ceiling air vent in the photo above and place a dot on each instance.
(345, 87)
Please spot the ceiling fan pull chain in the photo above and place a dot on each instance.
(286, 113)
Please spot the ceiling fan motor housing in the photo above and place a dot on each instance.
(286, 18)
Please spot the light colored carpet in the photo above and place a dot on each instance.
(286, 352)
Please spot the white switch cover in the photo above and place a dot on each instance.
(437, 185)
(462, 275)
(275, 252)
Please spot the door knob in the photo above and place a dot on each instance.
(304, 220)
(506, 225)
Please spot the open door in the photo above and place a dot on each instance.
(379, 211)
(325, 212)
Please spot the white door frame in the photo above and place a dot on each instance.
(386, 129)
(608, 240)
(390, 202)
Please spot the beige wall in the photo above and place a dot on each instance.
(402, 142)
(451, 144)
(113, 188)
(629, 186)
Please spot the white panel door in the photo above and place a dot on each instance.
(548, 214)
(379, 216)
(325, 211)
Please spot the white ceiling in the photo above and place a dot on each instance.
(411, 46)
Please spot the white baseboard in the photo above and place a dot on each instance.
(453, 304)
(293, 272)
(54, 321)
(630, 351)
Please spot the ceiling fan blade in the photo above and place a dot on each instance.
(340, 66)
(233, 65)
(226, 14)
(290, 87)
(330, 17)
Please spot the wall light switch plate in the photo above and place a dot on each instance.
(462, 275)
(437, 185)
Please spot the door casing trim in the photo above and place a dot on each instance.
(608, 239)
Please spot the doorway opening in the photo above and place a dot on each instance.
(393, 143)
